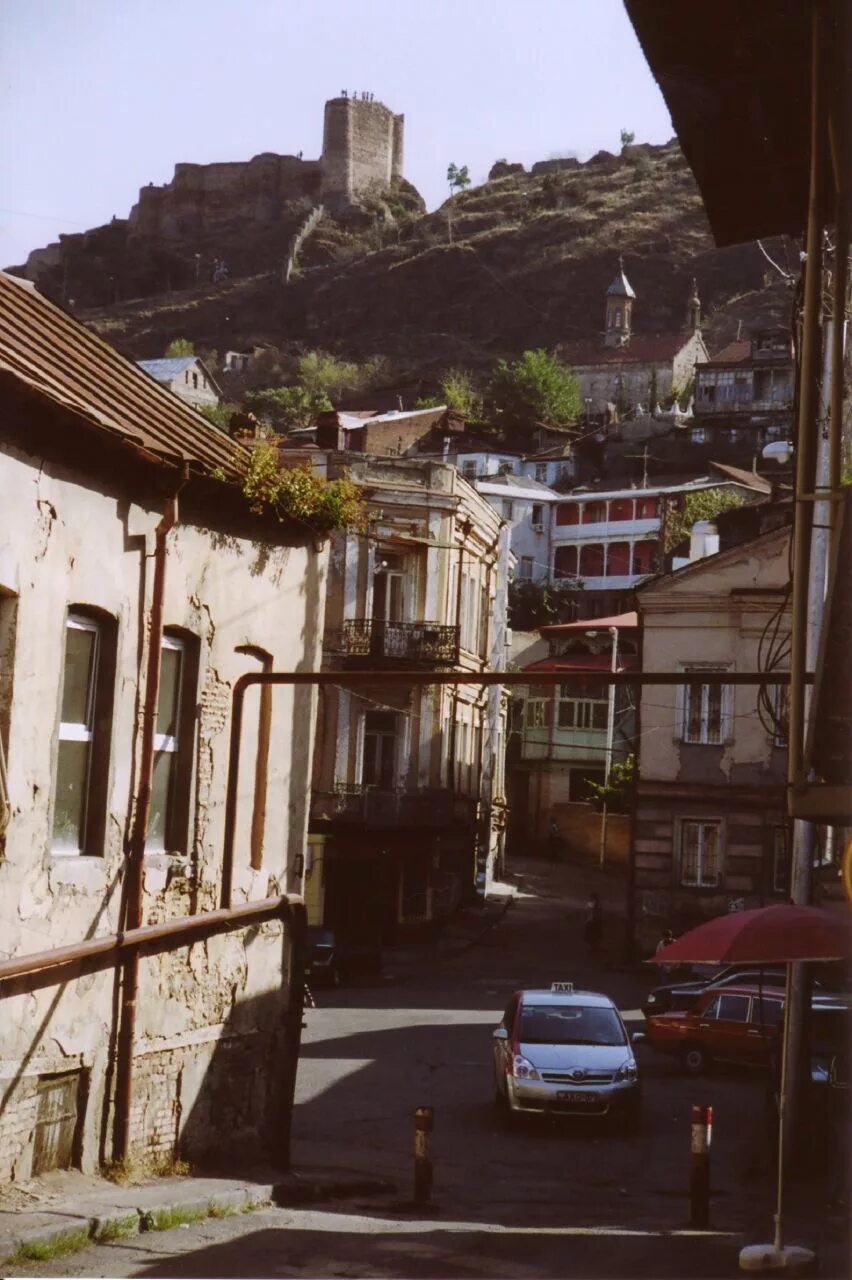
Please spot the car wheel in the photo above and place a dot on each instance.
(695, 1059)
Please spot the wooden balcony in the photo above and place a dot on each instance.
(370, 642)
(378, 808)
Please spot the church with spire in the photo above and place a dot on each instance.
(626, 373)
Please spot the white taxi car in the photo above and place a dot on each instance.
(566, 1051)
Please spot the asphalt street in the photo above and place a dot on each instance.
(510, 1199)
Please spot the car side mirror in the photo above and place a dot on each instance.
(638, 1037)
(501, 1034)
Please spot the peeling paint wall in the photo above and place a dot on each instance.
(67, 541)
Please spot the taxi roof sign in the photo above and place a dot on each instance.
(566, 987)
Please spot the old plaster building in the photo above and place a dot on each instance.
(710, 824)
(566, 736)
(408, 808)
(114, 538)
(629, 370)
(744, 397)
(187, 376)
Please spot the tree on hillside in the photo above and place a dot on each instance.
(287, 407)
(180, 347)
(458, 178)
(322, 374)
(459, 393)
(627, 138)
(534, 391)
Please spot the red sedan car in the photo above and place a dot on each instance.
(732, 1024)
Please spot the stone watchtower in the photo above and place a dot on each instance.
(361, 147)
(619, 310)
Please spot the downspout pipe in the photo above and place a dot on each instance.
(134, 887)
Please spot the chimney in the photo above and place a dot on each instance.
(703, 540)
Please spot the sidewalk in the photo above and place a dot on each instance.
(62, 1212)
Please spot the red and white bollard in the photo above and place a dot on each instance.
(699, 1177)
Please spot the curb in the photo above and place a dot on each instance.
(70, 1232)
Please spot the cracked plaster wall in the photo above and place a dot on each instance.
(67, 542)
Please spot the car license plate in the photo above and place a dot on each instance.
(582, 1099)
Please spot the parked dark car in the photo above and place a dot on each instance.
(332, 959)
(680, 997)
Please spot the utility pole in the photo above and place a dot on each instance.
(610, 735)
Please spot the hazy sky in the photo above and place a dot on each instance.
(103, 96)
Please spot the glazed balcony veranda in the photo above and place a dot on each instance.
(372, 640)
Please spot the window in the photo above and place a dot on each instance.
(565, 562)
(594, 512)
(378, 761)
(767, 1012)
(731, 1008)
(84, 719)
(621, 509)
(780, 861)
(525, 568)
(618, 317)
(537, 515)
(535, 711)
(389, 588)
(700, 853)
(592, 560)
(469, 468)
(170, 782)
(568, 513)
(578, 783)
(541, 472)
(583, 706)
(698, 435)
(508, 509)
(195, 381)
(644, 555)
(705, 710)
(618, 559)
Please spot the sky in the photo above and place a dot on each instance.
(101, 97)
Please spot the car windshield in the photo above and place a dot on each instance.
(569, 1024)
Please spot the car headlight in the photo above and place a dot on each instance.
(627, 1070)
(523, 1069)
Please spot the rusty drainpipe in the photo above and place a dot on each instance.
(133, 899)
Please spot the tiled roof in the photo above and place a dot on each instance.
(167, 368)
(621, 287)
(733, 353)
(749, 478)
(640, 350)
(65, 362)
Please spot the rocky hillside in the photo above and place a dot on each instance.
(520, 261)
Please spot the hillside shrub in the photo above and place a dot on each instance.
(535, 390)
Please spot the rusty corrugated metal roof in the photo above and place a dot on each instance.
(60, 359)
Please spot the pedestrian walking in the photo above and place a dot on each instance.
(554, 840)
(666, 938)
(593, 928)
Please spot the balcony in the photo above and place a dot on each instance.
(378, 808)
(373, 642)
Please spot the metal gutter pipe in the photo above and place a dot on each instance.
(134, 888)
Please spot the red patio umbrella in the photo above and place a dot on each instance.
(765, 935)
(783, 933)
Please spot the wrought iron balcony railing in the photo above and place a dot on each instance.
(421, 643)
(376, 807)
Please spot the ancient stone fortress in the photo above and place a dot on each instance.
(362, 151)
